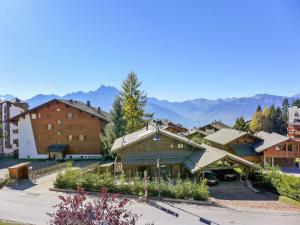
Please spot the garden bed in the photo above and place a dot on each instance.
(92, 181)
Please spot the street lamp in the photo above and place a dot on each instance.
(157, 139)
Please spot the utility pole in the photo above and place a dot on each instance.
(157, 139)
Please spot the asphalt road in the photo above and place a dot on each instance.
(30, 202)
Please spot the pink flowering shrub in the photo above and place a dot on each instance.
(106, 209)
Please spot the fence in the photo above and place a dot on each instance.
(49, 170)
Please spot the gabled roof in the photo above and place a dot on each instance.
(269, 140)
(72, 103)
(217, 124)
(225, 136)
(195, 131)
(198, 160)
(142, 134)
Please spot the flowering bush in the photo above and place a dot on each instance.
(106, 209)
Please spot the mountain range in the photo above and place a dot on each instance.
(189, 113)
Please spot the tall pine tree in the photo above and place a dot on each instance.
(284, 116)
(134, 101)
(116, 127)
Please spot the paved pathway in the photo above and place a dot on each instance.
(30, 202)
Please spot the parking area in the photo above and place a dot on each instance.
(235, 190)
(235, 195)
(295, 171)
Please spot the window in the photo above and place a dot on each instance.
(39, 116)
(70, 137)
(282, 147)
(33, 116)
(171, 146)
(16, 142)
(58, 109)
(58, 122)
(180, 146)
(58, 133)
(15, 131)
(70, 116)
(81, 137)
(290, 147)
(49, 126)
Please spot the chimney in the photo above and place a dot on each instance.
(147, 126)
(99, 110)
(71, 100)
(88, 103)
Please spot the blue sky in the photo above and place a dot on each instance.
(179, 49)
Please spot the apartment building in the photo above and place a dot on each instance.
(61, 129)
(9, 133)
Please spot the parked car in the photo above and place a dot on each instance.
(226, 174)
(212, 178)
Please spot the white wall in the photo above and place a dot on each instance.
(13, 111)
(27, 146)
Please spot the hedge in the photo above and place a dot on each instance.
(273, 180)
(179, 189)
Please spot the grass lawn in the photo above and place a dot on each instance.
(2, 222)
(289, 201)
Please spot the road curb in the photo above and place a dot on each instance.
(209, 202)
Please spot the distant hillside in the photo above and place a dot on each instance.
(190, 113)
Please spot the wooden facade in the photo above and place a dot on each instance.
(143, 156)
(58, 123)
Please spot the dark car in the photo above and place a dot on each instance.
(226, 174)
(211, 178)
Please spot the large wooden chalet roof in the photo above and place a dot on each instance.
(97, 112)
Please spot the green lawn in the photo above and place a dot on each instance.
(2, 222)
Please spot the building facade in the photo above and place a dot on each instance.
(264, 148)
(60, 129)
(294, 123)
(9, 133)
(172, 154)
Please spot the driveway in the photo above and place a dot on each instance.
(235, 190)
(295, 171)
(237, 196)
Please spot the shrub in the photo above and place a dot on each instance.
(273, 180)
(68, 179)
(105, 209)
(180, 189)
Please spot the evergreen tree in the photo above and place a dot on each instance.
(134, 101)
(296, 103)
(258, 109)
(277, 121)
(284, 116)
(241, 124)
(116, 127)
